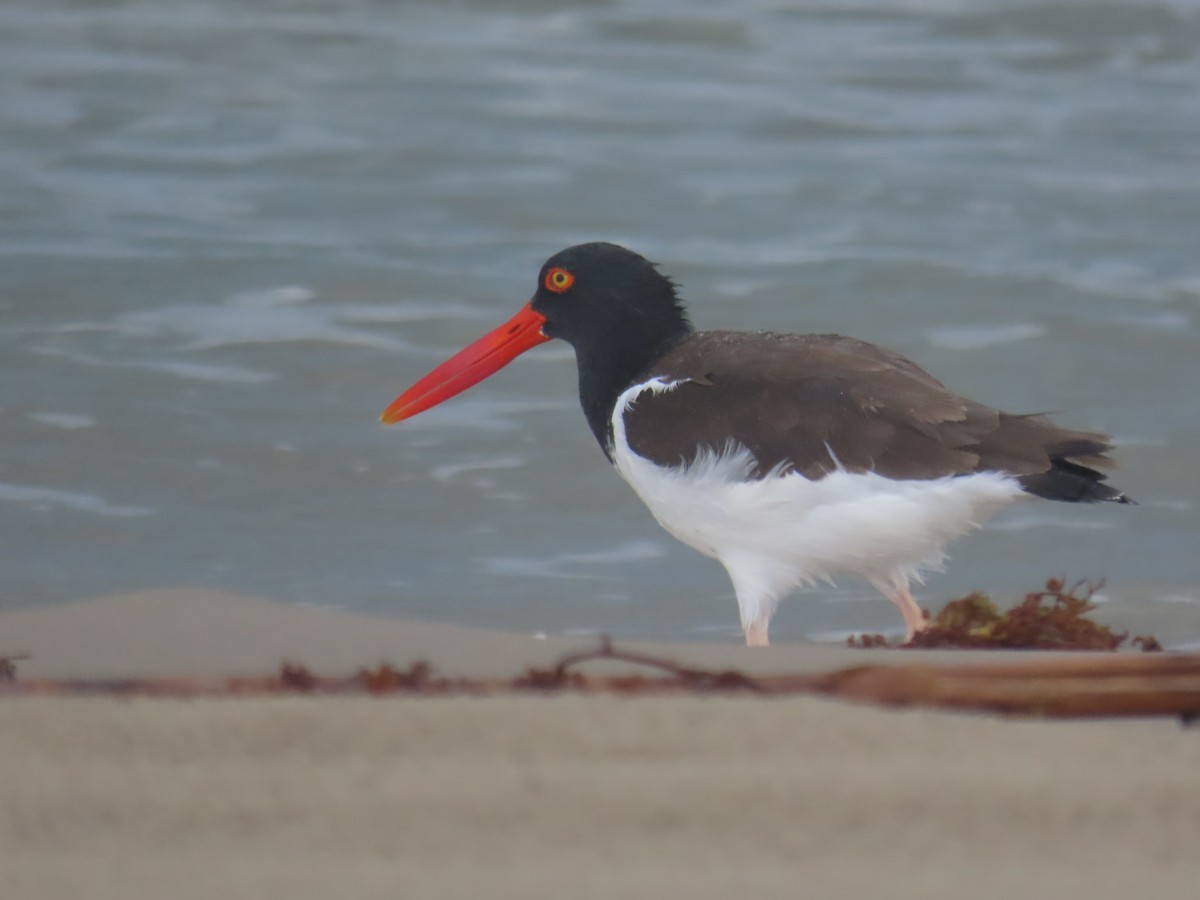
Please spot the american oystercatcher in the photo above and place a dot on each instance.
(789, 458)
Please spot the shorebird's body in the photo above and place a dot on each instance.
(788, 458)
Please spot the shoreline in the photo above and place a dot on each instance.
(201, 632)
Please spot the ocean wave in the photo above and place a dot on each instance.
(976, 337)
(44, 499)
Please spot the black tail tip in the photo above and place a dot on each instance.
(1074, 484)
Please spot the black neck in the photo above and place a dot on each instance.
(606, 371)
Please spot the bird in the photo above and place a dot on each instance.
(791, 459)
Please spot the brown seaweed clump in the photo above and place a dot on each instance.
(1054, 618)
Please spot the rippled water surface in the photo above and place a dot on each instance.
(233, 231)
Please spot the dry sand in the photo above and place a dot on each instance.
(531, 797)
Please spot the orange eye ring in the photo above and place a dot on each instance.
(558, 280)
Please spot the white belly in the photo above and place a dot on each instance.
(780, 532)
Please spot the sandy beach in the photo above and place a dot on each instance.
(522, 796)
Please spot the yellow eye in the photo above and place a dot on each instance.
(558, 280)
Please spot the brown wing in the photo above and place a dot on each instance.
(812, 403)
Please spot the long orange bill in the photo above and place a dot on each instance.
(469, 366)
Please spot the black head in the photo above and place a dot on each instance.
(604, 295)
(618, 312)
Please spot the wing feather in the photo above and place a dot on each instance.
(814, 403)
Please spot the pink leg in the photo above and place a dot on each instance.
(756, 598)
(756, 633)
(896, 590)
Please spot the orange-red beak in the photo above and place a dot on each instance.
(469, 366)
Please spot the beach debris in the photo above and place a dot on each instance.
(1053, 618)
(1079, 686)
(386, 678)
(8, 665)
(295, 677)
(1147, 643)
(565, 673)
(1130, 685)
